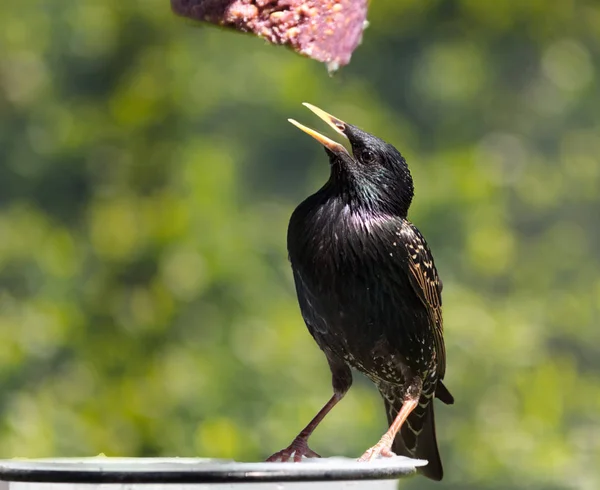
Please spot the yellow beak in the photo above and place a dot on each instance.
(334, 122)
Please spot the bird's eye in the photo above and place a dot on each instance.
(367, 156)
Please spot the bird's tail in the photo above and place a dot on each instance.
(416, 438)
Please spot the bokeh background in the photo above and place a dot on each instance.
(147, 174)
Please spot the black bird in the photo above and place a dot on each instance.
(369, 292)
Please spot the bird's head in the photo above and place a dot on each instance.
(375, 176)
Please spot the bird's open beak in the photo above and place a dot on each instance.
(324, 140)
(334, 122)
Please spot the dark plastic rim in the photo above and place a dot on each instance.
(194, 470)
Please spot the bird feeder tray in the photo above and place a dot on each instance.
(196, 474)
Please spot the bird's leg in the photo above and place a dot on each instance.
(341, 380)
(384, 446)
(299, 447)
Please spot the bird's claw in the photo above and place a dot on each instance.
(378, 450)
(298, 449)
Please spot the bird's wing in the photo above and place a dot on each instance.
(427, 284)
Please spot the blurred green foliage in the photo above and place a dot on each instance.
(146, 178)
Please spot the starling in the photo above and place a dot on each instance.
(369, 292)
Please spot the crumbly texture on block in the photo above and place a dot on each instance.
(324, 30)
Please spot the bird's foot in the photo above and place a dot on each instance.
(298, 449)
(381, 449)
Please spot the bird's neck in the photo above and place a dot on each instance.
(375, 197)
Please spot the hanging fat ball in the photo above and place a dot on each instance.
(325, 30)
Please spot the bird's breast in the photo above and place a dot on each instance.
(333, 236)
(361, 297)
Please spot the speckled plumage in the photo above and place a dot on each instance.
(368, 288)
